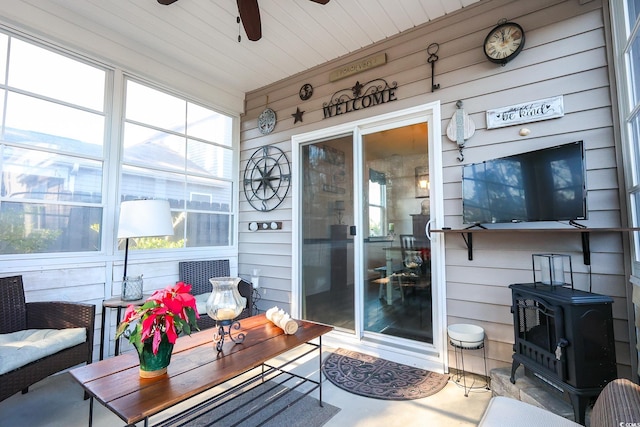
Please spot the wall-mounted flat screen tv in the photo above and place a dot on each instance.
(542, 185)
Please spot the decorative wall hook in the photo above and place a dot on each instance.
(460, 128)
(432, 50)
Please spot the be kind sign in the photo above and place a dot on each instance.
(527, 112)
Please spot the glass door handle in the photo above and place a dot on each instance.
(427, 230)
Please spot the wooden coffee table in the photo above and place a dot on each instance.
(195, 367)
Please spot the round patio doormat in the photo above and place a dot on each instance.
(370, 376)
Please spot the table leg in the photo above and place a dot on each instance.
(320, 370)
(117, 349)
(102, 333)
(90, 411)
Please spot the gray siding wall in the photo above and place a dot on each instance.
(565, 54)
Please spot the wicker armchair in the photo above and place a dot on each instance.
(198, 273)
(17, 315)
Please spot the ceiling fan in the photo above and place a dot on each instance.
(249, 14)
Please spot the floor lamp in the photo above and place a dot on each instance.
(141, 218)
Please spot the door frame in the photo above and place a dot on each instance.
(433, 356)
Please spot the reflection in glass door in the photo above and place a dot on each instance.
(397, 254)
(326, 179)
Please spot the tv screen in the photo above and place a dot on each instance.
(542, 185)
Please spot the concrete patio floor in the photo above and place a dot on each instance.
(58, 402)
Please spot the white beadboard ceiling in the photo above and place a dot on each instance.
(200, 37)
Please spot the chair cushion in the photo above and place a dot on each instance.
(22, 347)
(201, 302)
(504, 411)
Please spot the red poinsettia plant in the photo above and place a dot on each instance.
(167, 312)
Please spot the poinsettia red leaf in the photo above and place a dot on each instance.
(147, 326)
(188, 300)
(170, 329)
(182, 288)
(157, 337)
(129, 313)
(173, 305)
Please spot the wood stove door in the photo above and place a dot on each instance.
(540, 340)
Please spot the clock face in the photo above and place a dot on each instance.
(267, 121)
(267, 178)
(504, 42)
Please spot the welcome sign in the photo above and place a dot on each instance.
(359, 97)
(528, 112)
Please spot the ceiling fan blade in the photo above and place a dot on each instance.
(320, 1)
(166, 2)
(250, 16)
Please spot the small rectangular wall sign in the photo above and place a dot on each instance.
(527, 112)
(358, 66)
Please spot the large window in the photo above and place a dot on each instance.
(626, 31)
(179, 151)
(51, 150)
(61, 145)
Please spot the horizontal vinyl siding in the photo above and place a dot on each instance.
(565, 54)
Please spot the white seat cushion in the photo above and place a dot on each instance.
(201, 302)
(506, 412)
(22, 347)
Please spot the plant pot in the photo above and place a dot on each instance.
(154, 365)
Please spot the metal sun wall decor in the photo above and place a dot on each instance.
(360, 96)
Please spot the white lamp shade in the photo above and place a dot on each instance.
(145, 218)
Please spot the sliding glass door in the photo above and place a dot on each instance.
(326, 172)
(363, 205)
(396, 295)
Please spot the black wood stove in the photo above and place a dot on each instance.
(565, 337)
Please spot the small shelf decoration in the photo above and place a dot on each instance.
(549, 269)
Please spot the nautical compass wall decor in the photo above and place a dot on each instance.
(267, 178)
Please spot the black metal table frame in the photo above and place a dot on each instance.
(183, 418)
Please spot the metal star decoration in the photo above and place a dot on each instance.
(297, 116)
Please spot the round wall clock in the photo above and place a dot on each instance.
(267, 121)
(267, 178)
(504, 42)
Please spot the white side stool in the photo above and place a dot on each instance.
(467, 337)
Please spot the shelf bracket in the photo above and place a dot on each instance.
(586, 244)
(586, 248)
(469, 242)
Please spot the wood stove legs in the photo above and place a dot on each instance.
(579, 398)
(579, 407)
(514, 366)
